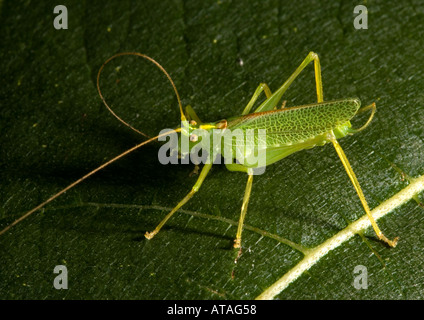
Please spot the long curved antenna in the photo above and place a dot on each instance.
(26, 215)
(183, 118)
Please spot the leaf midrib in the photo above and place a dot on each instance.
(315, 254)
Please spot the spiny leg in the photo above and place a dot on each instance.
(202, 176)
(358, 189)
(237, 241)
(270, 103)
(192, 117)
(262, 87)
(240, 168)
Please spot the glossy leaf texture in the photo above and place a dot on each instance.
(54, 129)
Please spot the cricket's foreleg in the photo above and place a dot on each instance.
(358, 189)
(202, 176)
(270, 103)
(262, 87)
(237, 241)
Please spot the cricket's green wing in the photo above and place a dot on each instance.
(296, 125)
(292, 129)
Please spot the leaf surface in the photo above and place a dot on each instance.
(54, 129)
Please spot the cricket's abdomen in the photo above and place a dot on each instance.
(298, 125)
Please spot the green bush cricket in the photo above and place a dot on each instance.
(288, 130)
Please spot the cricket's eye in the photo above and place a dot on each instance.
(193, 123)
(193, 138)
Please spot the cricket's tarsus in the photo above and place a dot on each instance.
(310, 130)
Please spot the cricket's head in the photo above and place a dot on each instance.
(197, 135)
(192, 129)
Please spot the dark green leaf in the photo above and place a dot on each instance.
(54, 129)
